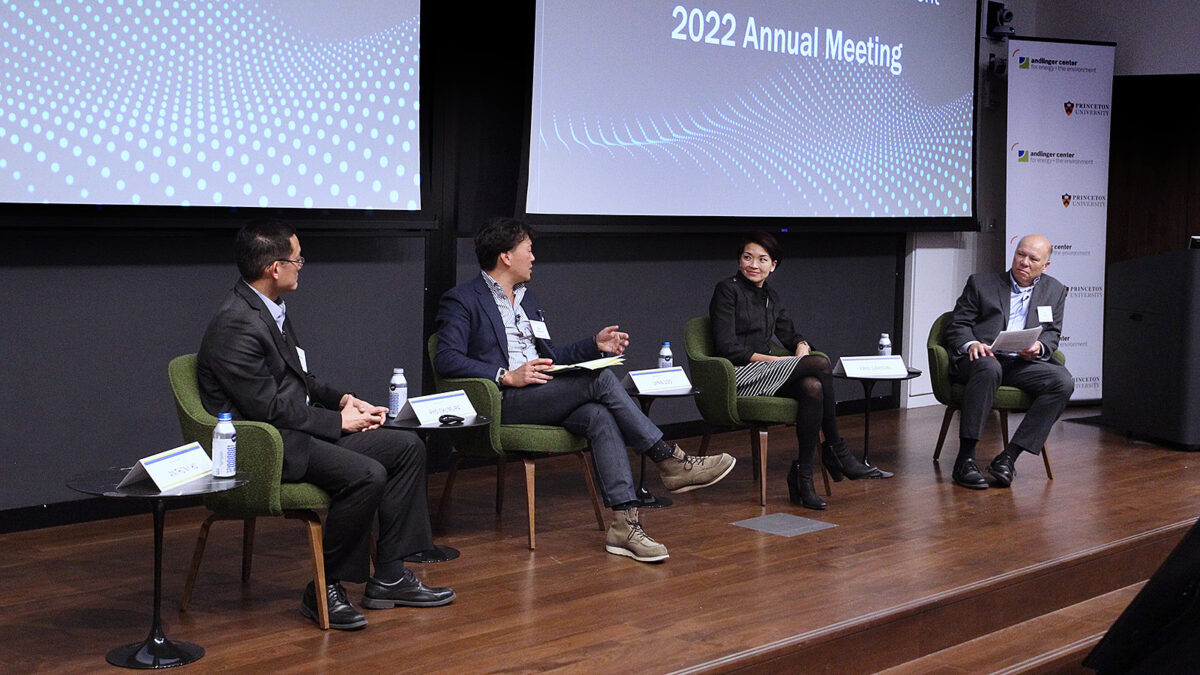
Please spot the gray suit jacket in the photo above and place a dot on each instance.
(246, 367)
(982, 312)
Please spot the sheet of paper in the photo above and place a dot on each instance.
(171, 468)
(660, 380)
(427, 409)
(874, 367)
(594, 364)
(1016, 340)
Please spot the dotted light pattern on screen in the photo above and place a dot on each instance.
(818, 139)
(206, 104)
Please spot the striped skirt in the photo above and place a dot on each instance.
(763, 378)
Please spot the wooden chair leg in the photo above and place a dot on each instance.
(937, 452)
(588, 475)
(529, 482)
(704, 441)
(247, 547)
(444, 502)
(501, 471)
(1046, 461)
(197, 555)
(318, 560)
(824, 472)
(1004, 427)
(758, 452)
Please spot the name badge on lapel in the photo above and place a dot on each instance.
(1045, 314)
(539, 329)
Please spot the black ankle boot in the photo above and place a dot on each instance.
(800, 486)
(839, 461)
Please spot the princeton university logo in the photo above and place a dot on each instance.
(1066, 200)
(1069, 108)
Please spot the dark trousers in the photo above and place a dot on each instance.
(1050, 385)
(593, 405)
(367, 473)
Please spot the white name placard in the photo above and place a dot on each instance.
(660, 381)
(427, 409)
(171, 468)
(880, 367)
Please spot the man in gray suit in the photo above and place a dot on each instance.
(1022, 297)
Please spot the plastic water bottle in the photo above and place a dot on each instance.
(397, 392)
(664, 356)
(224, 447)
(885, 345)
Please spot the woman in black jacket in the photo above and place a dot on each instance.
(746, 314)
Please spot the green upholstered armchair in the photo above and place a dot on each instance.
(720, 406)
(950, 393)
(498, 441)
(259, 458)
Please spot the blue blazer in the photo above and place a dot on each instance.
(471, 337)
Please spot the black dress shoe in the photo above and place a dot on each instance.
(1002, 470)
(342, 615)
(967, 475)
(407, 591)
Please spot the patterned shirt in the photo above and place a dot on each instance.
(521, 347)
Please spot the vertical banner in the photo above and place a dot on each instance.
(1059, 115)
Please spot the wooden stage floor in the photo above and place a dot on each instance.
(727, 594)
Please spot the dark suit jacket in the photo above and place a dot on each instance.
(471, 337)
(982, 312)
(246, 368)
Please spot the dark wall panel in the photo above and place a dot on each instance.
(91, 320)
(840, 290)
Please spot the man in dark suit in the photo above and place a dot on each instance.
(493, 328)
(1022, 297)
(251, 364)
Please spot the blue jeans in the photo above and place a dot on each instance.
(594, 405)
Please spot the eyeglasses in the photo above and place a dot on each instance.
(298, 262)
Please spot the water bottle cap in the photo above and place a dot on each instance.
(666, 344)
(883, 335)
(397, 371)
(225, 417)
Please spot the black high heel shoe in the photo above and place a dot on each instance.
(800, 486)
(839, 461)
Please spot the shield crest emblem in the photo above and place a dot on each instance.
(1066, 200)
(1069, 107)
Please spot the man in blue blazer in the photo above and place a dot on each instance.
(1022, 297)
(492, 327)
(251, 364)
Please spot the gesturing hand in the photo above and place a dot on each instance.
(611, 340)
(803, 349)
(530, 372)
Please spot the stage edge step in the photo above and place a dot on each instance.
(909, 631)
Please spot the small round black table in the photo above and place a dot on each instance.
(156, 651)
(868, 383)
(645, 498)
(437, 553)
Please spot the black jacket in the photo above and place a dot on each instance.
(744, 319)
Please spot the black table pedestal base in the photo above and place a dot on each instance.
(155, 652)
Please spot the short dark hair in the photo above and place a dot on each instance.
(260, 243)
(497, 236)
(765, 240)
